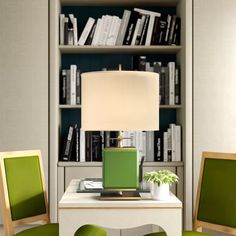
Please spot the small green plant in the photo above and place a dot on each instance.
(161, 177)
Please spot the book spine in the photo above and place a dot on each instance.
(130, 28)
(96, 33)
(140, 30)
(135, 32)
(169, 154)
(66, 22)
(96, 146)
(176, 37)
(63, 87)
(150, 146)
(173, 142)
(86, 31)
(171, 66)
(82, 146)
(75, 28)
(62, 24)
(67, 147)
(167, 83)
(88, 146)
(144, 32)
(123, 26)
(144, 141)
(168, 28)
(162, 29)
(150, 30)
(142, 63)
(77, 146)
(68, 93)
(165, 146)
(172, 28)
(78, 87)
(178, 142)
(158, 148)
(177, 86)
(154, 32)
(73, 69)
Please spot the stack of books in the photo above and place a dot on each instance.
(137, 27)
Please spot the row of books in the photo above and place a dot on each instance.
(153, 146)
(70, 86)
(169, 78)
(137, 27)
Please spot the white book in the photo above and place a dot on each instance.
(73, 69)
(178, 142)
(150, 146)
(101, 31)
(171, 68)
(112, 35)
(123, 26)
(168, 28)
(97, 32)
(165, 146)
(152, 15)
(62, 23)
(82, 146)
(135, 32)
(75, 29)
(173, 142)
(86, 31)
(106, 29)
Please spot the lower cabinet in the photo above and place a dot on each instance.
(94, 170)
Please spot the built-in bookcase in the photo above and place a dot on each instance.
(91, 58)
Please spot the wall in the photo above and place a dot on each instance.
(214, 78)
(24, 76)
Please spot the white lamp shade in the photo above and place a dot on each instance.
(120, 100)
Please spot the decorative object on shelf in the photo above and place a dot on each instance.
(160, 182)
(124, 101)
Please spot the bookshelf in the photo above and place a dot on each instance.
(63, 55)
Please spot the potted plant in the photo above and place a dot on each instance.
(160, 182)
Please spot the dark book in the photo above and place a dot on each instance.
(177, 85)
(68, 144)
(77, 143)
(63, 85)
(68, 92)
(113, 138)
(96, 146)
(169, 17)
(176, 37)
(158, 146)
(78, 87)
(165, 75)
(154, 32)
(157, 68)
(161, 30)
(140, 30)
(144, 31)
(172, 28)
(130, 28)
(91, 34)
(88, 146)
(142, 63)
(66, 30)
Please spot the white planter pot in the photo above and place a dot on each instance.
(161, 192)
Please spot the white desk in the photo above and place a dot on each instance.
(77, 209)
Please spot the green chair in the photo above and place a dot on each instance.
(24, 199)
(216, 196)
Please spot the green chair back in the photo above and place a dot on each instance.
(216, 198)
(25, 189)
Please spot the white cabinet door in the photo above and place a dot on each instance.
(24, 76)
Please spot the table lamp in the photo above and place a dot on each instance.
(120, 101)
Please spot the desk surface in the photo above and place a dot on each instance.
(72, 199)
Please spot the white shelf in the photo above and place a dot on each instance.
(65, 49)
(99, 164)
(165, 3)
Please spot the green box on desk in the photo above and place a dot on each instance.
(120, 168)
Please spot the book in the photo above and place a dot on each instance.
(86, 31)
(66, 22)
(82, 146)
(68, 84)
(88, 156)
(142, 63)
(123, 26)
(105, 30)
(130, 28)
(161, 30)
(63, 83)
(135, 32)
(157, 69)
(75, 29)
(77, 146)
(177, 85)
(173, 142)
(62, 25)
(172, 28)
(67, 145)
(96, 146)
(144, 31)
(150, 146)
(140, 29)
(176, 37)
(169, 17)
(178, 142)
(171, 67)
(158, 146)
(155, 31)
(73, 69)
(91, 35)
(97, 32)
(112, 35)
(78, 87)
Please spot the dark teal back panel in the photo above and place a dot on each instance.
(217, 202)
(25, 187)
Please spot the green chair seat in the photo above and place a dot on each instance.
(53, 230)
(45, 230)
(185, 233)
